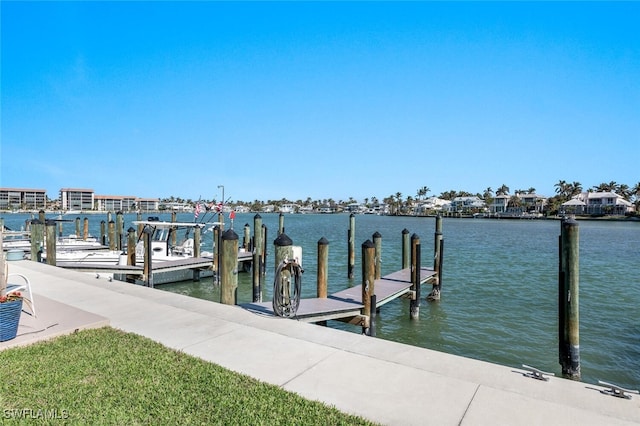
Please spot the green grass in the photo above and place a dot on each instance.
(105, 376)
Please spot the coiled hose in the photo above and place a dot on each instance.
(285, 304)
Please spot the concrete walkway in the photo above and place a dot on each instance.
(387, 382)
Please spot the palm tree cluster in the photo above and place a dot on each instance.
(399, 204)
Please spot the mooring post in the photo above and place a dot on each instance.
(246, 237)
(174, 236)
(103, 233)
(368, 283)
(140, 226)
(323, 267)
(85, 229)
(216, 254)
(283, 252)
(119, 228)
(351, 246)
(41, 217)
(112, 235)
(283, 249)
(569, 285)
(264, 251)
(256, 266)
(372, 317)
(377, 242)
(406, 249)
(51, 242)
(131, 246)
(414, 305)
(229, 268)
(438, 245)
(78, 227)
(148, 256)
(281, 223)
(37, 239)
(197, 232)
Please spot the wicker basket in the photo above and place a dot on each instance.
(9, 319)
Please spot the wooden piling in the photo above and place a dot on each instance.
(37, 239)
(229, 268)
(41, 217)
(323, 267)
(148, 256)
(140, 226)
(112, 235)
(119, 229)
(103, 233)
(283, 249)
(51, 241)
(368, 282)
(373, 317)
(569, 300)
(406, 249)
(131, 246)
(78, 227)
(174, 236)
(264, 250)
(377, 242)
(256, 266)
(351, 243)
(281, 223)
(216, 253)
(246, 237)
(196, 250)
(85, 229)
(414, 305)
(438, 246)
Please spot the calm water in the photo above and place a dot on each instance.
(499, 290)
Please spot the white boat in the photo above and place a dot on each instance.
(162, 250)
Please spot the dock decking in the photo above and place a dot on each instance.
(347, 303)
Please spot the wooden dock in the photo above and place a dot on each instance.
(346, 305)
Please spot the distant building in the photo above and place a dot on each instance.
(76, 199)
(597, 203)
(22, 199)
(115, 203)
(472, 204)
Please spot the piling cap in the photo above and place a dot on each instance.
(405, 231)
(368, 244)
(323, 241)
(283, 240)
(377, 235)
(257, 216)
(229, 234)
(415, 237)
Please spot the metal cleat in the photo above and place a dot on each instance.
(534, 373)
(617, 391)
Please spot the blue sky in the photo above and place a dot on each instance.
(322, 100)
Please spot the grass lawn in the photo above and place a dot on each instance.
(105, 376)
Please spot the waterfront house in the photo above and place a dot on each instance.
(598, 203)
(467, 205)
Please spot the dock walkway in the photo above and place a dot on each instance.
(386, 382)
(347, 303)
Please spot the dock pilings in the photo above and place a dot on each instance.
(256, 264)
(438, 256)
(569, 299)
(406, 249)
(148, 257)
(368, 283)
(229, 267)
(50, 238)
(112, 235)
(37, 239)
(351, 246)
(414, 304)
(377, 242)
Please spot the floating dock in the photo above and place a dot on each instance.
(346, 305)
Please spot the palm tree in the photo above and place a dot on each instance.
(503, 190)
(398, 201)
(531, 190)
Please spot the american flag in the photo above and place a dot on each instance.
(197, 210)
